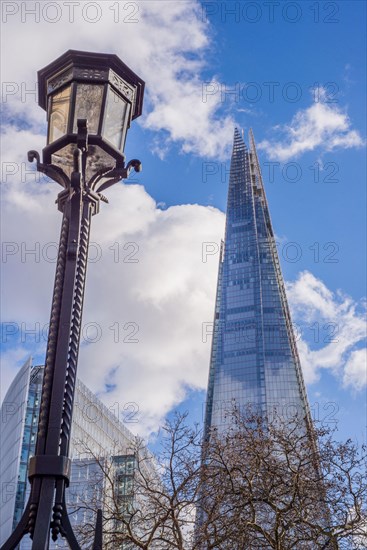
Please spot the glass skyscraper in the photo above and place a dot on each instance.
(254, 358)
(93, 425)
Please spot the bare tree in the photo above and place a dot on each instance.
(274, 484)
(154, 508)
(265, 484)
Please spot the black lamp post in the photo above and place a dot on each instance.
(90, 100)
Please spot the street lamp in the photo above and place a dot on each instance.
(97, 87)
(90, 100)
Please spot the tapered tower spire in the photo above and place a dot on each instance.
(254, 359)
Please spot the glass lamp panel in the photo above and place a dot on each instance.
(88, 105)
(60, 106)
(117, 113)
(97, 160)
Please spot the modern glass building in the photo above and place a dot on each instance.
(15, 443)
(95, 430)
(254, 358)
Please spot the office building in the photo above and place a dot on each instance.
(254, 358)
(96, 432)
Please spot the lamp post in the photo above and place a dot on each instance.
(90, 100)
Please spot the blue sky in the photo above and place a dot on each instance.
(298, 79)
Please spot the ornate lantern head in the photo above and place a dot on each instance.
(93, 86)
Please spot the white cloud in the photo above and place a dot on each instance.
(161, 300)
(335, 323)
(169, 292)
(164, 43)
(322, 125)
(355, 372)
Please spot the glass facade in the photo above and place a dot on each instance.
(12, 427)
(254, 359)
(124, 473)
(29, 440)
(95, 429)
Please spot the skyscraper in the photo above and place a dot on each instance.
(254, 358)
(95, 430)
